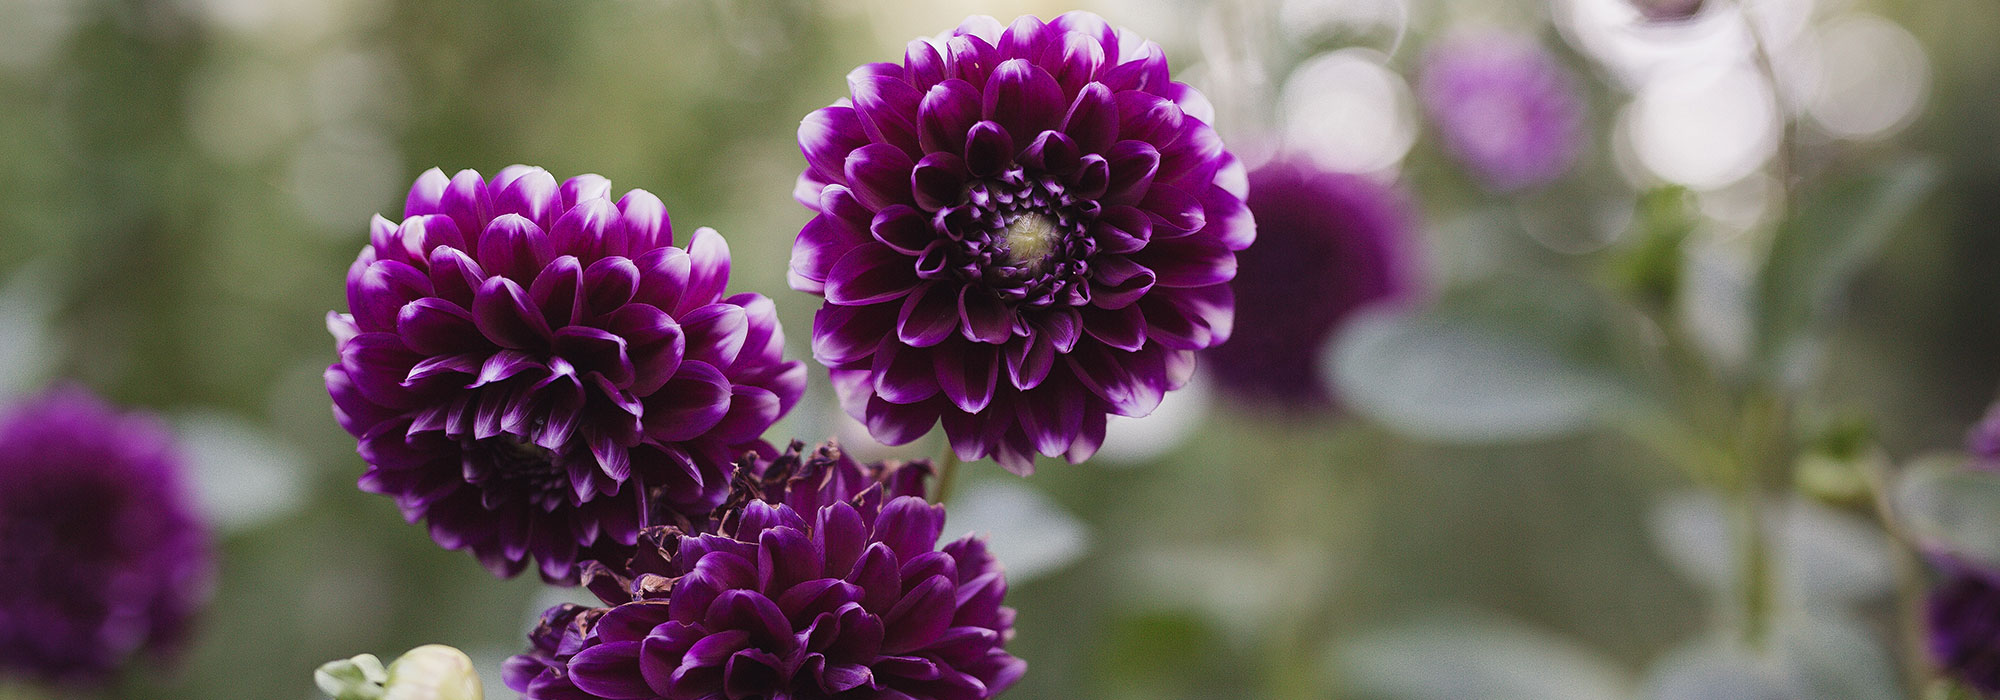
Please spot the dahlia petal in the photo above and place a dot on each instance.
(764, 342)
(558, 291)
(515, 247)
(937, 182)
(609, 284)
(610, 671)
(612, 459)
(596, 350)
(751, 673)
(426, 194)
(1028, 361)
(1228, 219)
(902, 228)
(654, 342)
(1077, 64)
(434, 326)
(840, 536)
(1193, 156)
(1190, 261)
(923, 66)
(1052, 420)
(1014, 452)
(688, 405)
(820, 244)
(970, 434)
(920, 617)
(644, 222)
(503, 365)
(377, 363)
(928, 315)
(664, 276)
(868, 274)
(584, 188)
(751, 410)
(1025, 38)
(1191, 319)
(1122, 229)
(1123, 328)
(1062, 327)
(903, 374)
(989, 149)
(898, 424)
(1116, 282)
(967, 373)
(749, 610)
(1090, 25)
(716, 648)
(826, 137)
(1141, 67)
(505, 315)
(1052, 151)
(1132, 383)
(533, 195)
(1089, 437)
(455, 277)
(888, 109)
(840, 678)
(879, 174)
(1092, 178)
(985, 27)
(1133, 165)
(843, 335)
(467, 201)
(1093, 119)
(716, 333)
(986, 319)
(583, 230)
(911, 667)
(378, 294)
(785, 558)
(944, 116)
(970, 59)
(1149, 118)
(1022, 98)
(708, 261)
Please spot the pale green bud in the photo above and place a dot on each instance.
(359, 678)
(429, 672)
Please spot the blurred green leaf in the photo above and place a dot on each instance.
(1833, 657)
(1824, 555)
(1717, 669)
(1451, 657)
(1816, 252)
(1949, 508)
(1510, 359)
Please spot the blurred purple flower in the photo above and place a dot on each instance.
(1504, 107)
(1019, 231)
(1983, 440)
(101, 553)
(537, 371)
(1329, 245)
(822, 580)
(1963, 620)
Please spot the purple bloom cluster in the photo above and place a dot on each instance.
(537, 371)
(1963, 619)
(101, 553)
(1331, 244)
(1019, 231)
(821, 579)
(1505, 107)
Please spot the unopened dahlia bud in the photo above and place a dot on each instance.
(429, 672)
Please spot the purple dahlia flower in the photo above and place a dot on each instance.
(1018, 232)
(1963, 620)
(1329, 244)
(823, 581)
(536, 370)
(1505, 107)
(101, 553)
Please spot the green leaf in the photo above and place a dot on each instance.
(1509, 359)
(1819, 250)
(1950, 509)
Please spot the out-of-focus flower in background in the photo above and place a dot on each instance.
(102, 554)
(1020, 231)
(822, 577)
(1962, 619)
(1329, 245)
(1505, 107)
(537, 371)
(429, 672)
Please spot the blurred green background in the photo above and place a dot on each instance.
(186, 181)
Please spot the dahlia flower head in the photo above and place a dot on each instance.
(1962, 617)
(1330, 245)
(822, 580)
(102, 555)
(1505, 107)
(538, 372)
(1018, 232)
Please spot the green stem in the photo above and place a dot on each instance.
(947, 475)
(1765, 458)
